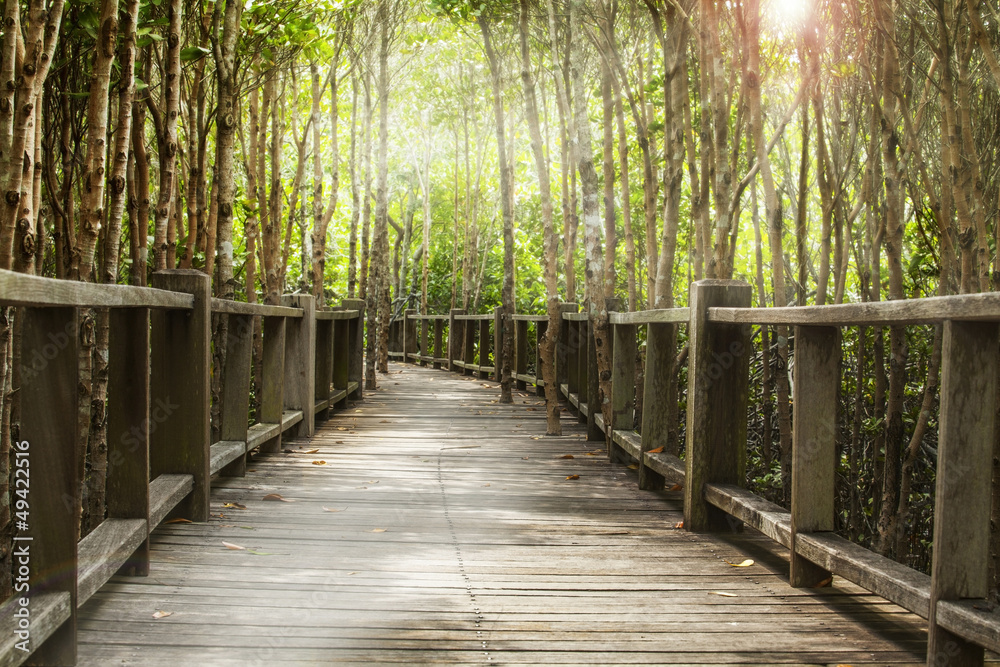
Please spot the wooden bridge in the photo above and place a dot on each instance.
(427, 523)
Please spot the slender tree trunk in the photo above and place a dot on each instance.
(166, 139)
(366, 215)
(547, 347)
(507, 294)
(352, 263)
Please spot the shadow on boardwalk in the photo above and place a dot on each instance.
(430, 525)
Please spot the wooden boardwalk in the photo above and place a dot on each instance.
(442, 529)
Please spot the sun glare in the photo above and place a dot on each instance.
(788, 14)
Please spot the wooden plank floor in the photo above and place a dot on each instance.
(442, 529)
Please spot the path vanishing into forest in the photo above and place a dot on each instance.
(429, 525)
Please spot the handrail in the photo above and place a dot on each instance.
(19, 289)
(659, 316)
(161, 459)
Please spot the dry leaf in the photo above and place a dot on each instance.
(532, 409)
(567, 456)
(180, 520)
(725, 594)
(677, 487)
(235, 506)
(341, 428)
(573, 477)
(379, 530)
(747, 563)
(385, 421)
(312, 451)
(162, 614)
(234, 547)
(355, 572)
(486, 484)
(275, 496)
(357, 410)
(524, 458)
(332, 509)
(340, 442)
(826, 582)
(658, 450)
(633, 466)
(319, 463)
(679, 524)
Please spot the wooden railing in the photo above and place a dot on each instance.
(161, 459)
(961, 622)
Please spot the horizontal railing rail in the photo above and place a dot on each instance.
(712, 473)
(161, 457)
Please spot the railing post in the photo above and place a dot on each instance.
(438, 342)
(572, 361)
(356, 347)
(814, 442)
(340, 373)
(962, 495)
(50, 345)
(235, 396)
(718, 390)
(424, 341)
(583, 369)
(562, 345)
(180, 368)
(484, 349)
(622, 386)
(272, 399)
(409, 328)
(498, 334)
(540, 329)
(470, 344)
(520, 353)
(324, 365)
(128, 424)
(300, 362)
(656, 393)
(455, 338)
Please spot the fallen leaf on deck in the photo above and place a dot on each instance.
(234, 547)
(725, 594)
(350, 573)
(532, 409)
(332, 509)
(372, 481)
(573, 477)
(259, 553)
(235, 506)
(385, 421)
(597, 453)
(658, 450)
(341, 428)
(179, 520)
(312, 451)
(747, 563)
(524, 458)
(275, 496)
(823, 584)
(162, 614)
(633, 466)
(486, 484)
(379, 530)
(677, 487)
(319, 463)
(567, 456)
(357, 410)
(679, 524)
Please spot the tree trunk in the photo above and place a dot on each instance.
(547, 345)
(166, 136)
(352, 263)
(507, 295)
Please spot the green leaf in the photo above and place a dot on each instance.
(193, 53)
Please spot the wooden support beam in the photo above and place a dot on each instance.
(180, 397)
(659, 373)
(300, 362)
(324, 364)
(498, 334)
(485, 348)
(438, 352)
(235, 398)
(128, 425)
(540, 329)
(272, 399)
(408, 329)
(814, 442)
(455, 338)
(46, 470)
(718, 390)
(622, 386)
(341, 371)
(962, 499)
(520, 353)
(424, 341)
(562, 344)
(357, 347)
(470, 332)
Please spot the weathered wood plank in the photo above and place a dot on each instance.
(814, 441)
(976, 620)
(165, 492)
(337, 315)
(299, 388)
(966, 433)
(761, 515)
(229, 307)
(105, 550)
(45, 469)
(19, 289)
(225, 452)
(660, 316)
(49, 613)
